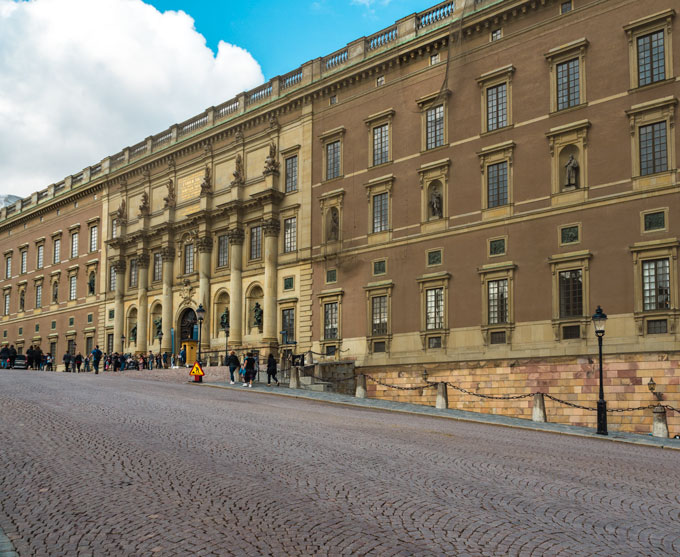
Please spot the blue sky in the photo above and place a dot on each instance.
(283, 35)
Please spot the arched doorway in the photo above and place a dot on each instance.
(188, 334)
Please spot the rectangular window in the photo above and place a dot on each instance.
(434, 309)
(498, 301)
(157, 267)
(655, 284)
(380, 212)
(657, 326)
(24, 259)
(114, 228)
(41, 256)
(333, 160)
(568, 93)
(112, 278)
(8, 267)
(291, 173)
(653, 152)
(89, 345)
(290, 234)
(381, 151)
(330, 320)
(72, 288)
(496, 107)
(497, 184)
(655, 221)
(256, 242)
(71, 349)
(571, 332)
(53, 348)
(188, 259)
(7, 304)
(569, 235)
(651, 58)
(379, 315)
(496, 34)
(93, 238)
(74, 245)
(497, 337)
(38, 296)
(223, 251)
(565, 7)
(109, 343)
(57, 250)
(380, 267)
(134, 273)
(288, 283)
(331, 276)
(434, 132)
(288, 325)
(571, 293)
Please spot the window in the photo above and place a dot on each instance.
(496, 34)
(571, 293)
(38, 295)
(21, 331)
(288, 283)
(55, 292)
(157, 267)
(380, 81)
(57, 250)
(379, 315)
(291, 174)
(653, 221)
(655, 284)
(434, 257)
(565, 7)
(657, 326)
(114, 228)
(570, 234)
(333, 160)
(8, 267)
(381, 151)
(434, 131)
(89, 345)
(496, 89)
(53, 325)
(72, 288)
(74, 245)
(24, 259)
(71, 321)
(330, 321)
(331, 276)
(90, 317)
(568, 94)
(496, 247)
(653, 149)
(333, 100)
(112, 278)
(134, 273)
(290, 235)
(7, 297)
(380, 267)
(498, 301)
(255, 242)
(288, 325)
(41, 256)
(651, 59)
(112, 313)
(497, 184)
(188, 259)
(222, 250)
(93, 237)
(380, 212)
(71, 347)
(434, 58)
(434, 309)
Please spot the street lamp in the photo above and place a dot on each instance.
(226, 343)
(160, 346)
(200, 314)
(599, 321)
(122, 343)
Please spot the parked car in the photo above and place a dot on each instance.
(20, 362)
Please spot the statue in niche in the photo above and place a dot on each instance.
(133, 333)
(571, 172)
(144, 205)
(436, 204)
(170, 200)
(257, 316)
(271, 165)
(121, 210)
(238, 172)
(55, 292)
(205, 184)
(90, 285)
(158, 326)
(22, 300)
(334, 225)
(224, 319)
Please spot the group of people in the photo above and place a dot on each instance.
(247, 370)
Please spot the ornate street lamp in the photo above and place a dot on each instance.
(122, 343)
(599, 321)
(226, 342)
(200, 314)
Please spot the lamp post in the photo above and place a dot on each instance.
(200, 314)
(226, 343)
(122, 343)
(160, 346)
(599, 320)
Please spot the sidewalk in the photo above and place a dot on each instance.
(491, 419)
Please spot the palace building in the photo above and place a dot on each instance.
(452, 197)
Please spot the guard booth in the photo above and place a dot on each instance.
(188, 335)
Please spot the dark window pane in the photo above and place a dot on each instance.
(497, 180)
(571, 293)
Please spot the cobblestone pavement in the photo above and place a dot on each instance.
(111, 465)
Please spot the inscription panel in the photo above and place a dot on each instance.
(190, 186)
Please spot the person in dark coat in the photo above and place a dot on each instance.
(78, 361)
(271, 369)
(30, 354)
(234, 364)
(12, 355)
(67, 362)
(250, 370)
(4, 356)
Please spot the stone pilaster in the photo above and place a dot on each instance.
(271, 229)
(236, 237)
(119, 308)
(204, 245)
(168, 256)
(143, 302)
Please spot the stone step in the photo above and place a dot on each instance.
(318, 387)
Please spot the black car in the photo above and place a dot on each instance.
(20, 362)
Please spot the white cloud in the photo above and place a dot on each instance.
(81, 79)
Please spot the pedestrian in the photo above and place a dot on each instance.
(165, 360)
(183, 355)
(271, 369)
(78, 361)
(233, 364)
(67, 362)
(96, 357)
(249, 366)
(12, 355)
(29, 357)
(4, 357)
(48, 362)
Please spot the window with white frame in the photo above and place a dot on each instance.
(72, 287)
(568, 84)
(112, 278)
(651, 58)
(434, 308)
(333, 160)
(188, 259)
(94, 231)
(381, 145)
(134, 273)
(656, 284)
(7, 298)
(38, 295)
(157, 266)
(379, 315)
(330, 321)
(498, 301)
(74, 245)
(571, 293)
(56, 251)
(290, 235)
(381, 212)
(434, 127)
(222, 250)
(496, 107)
(24, 259)
(291, 174)
(41, 256)
(255, 242)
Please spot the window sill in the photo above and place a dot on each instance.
(434, 149)
(651, 85)
(569, 109)
(498, 130)
(329, 180)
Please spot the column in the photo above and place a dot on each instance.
(271, 258)
(143, 302)
(236, 236)
(168, 256)
(205, 245)
(119, 309)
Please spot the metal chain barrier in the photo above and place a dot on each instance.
(669, 407)
(462, 390)
(426, 386)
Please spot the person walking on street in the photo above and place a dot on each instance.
(67, 362)
(249, 366)
(96, 357)
(271, 370)
(12, 355)
(78, 361)
(233, 364)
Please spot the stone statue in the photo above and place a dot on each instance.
(144, 205)
(334, 226)
(238, 136)
(436, 204)
(22, 300)
(91, 284)
(133, 333)
(158, 325)
(121, 210)
(257, 315)
(205, 184)
(270, 163)
(238, 172)
(572, 172)
(55, 292)
(224, 319)
(170, 200)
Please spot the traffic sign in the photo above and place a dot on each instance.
(197, 370)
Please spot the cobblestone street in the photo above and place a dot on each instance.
(110, 464)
